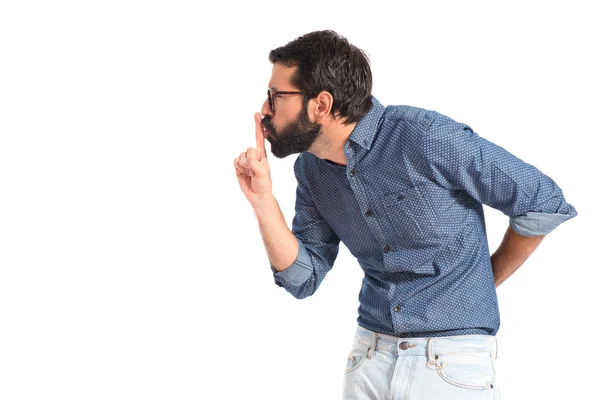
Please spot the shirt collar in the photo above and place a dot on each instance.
(366, 128)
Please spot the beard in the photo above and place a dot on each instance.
(296, 137)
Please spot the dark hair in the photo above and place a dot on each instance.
(327, 61)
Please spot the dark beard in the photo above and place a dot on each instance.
(296, 137)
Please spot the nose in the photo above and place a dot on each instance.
(265, 110)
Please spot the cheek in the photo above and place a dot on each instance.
(279, 123)
(284, 120)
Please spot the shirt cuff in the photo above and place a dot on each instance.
(297, 273)
(537, 224)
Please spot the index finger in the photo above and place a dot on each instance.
(260, 136)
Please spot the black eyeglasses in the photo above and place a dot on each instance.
(272, 93)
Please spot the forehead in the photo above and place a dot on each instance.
(281, 77)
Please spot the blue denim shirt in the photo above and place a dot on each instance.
(409, 206)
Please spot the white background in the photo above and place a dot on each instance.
(131, 266)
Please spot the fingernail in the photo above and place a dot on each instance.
(243, 161)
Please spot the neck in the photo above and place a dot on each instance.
(330, 146)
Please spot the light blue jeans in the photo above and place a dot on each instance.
(391, 368)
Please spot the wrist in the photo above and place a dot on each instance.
(262, 201)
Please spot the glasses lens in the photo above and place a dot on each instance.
(270, 100)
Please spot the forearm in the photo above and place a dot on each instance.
(279, 241)
(512, 253)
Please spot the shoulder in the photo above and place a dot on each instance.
(419, 117)
(409, 126)
(429, 124)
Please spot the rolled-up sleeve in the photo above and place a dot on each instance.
(318, 246)
(297, 273)
(458, 158)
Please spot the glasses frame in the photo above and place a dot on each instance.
(272, 93)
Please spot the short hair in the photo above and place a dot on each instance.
(327, 61)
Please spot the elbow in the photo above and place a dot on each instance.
(306, 290)
(302, 291)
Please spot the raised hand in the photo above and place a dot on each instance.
(252, 168)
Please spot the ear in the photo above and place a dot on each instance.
(320, 106)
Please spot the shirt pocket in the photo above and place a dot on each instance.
(410, 214)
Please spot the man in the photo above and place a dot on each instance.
(403, 188)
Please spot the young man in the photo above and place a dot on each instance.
(403, 188)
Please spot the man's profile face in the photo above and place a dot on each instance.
(288, 129)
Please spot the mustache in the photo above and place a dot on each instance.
(267, 124)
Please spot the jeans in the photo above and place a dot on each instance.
(391, 368)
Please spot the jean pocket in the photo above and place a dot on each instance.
(467, 370)
(356, 357)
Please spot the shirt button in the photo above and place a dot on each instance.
(387, 248)
(353, 172)
(397, 308)
(369, 213)
(400, 197)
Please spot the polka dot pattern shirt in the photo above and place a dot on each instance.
(408, 206)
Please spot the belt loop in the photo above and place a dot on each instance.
(430, 352)
(373, 346)
(496, 341)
